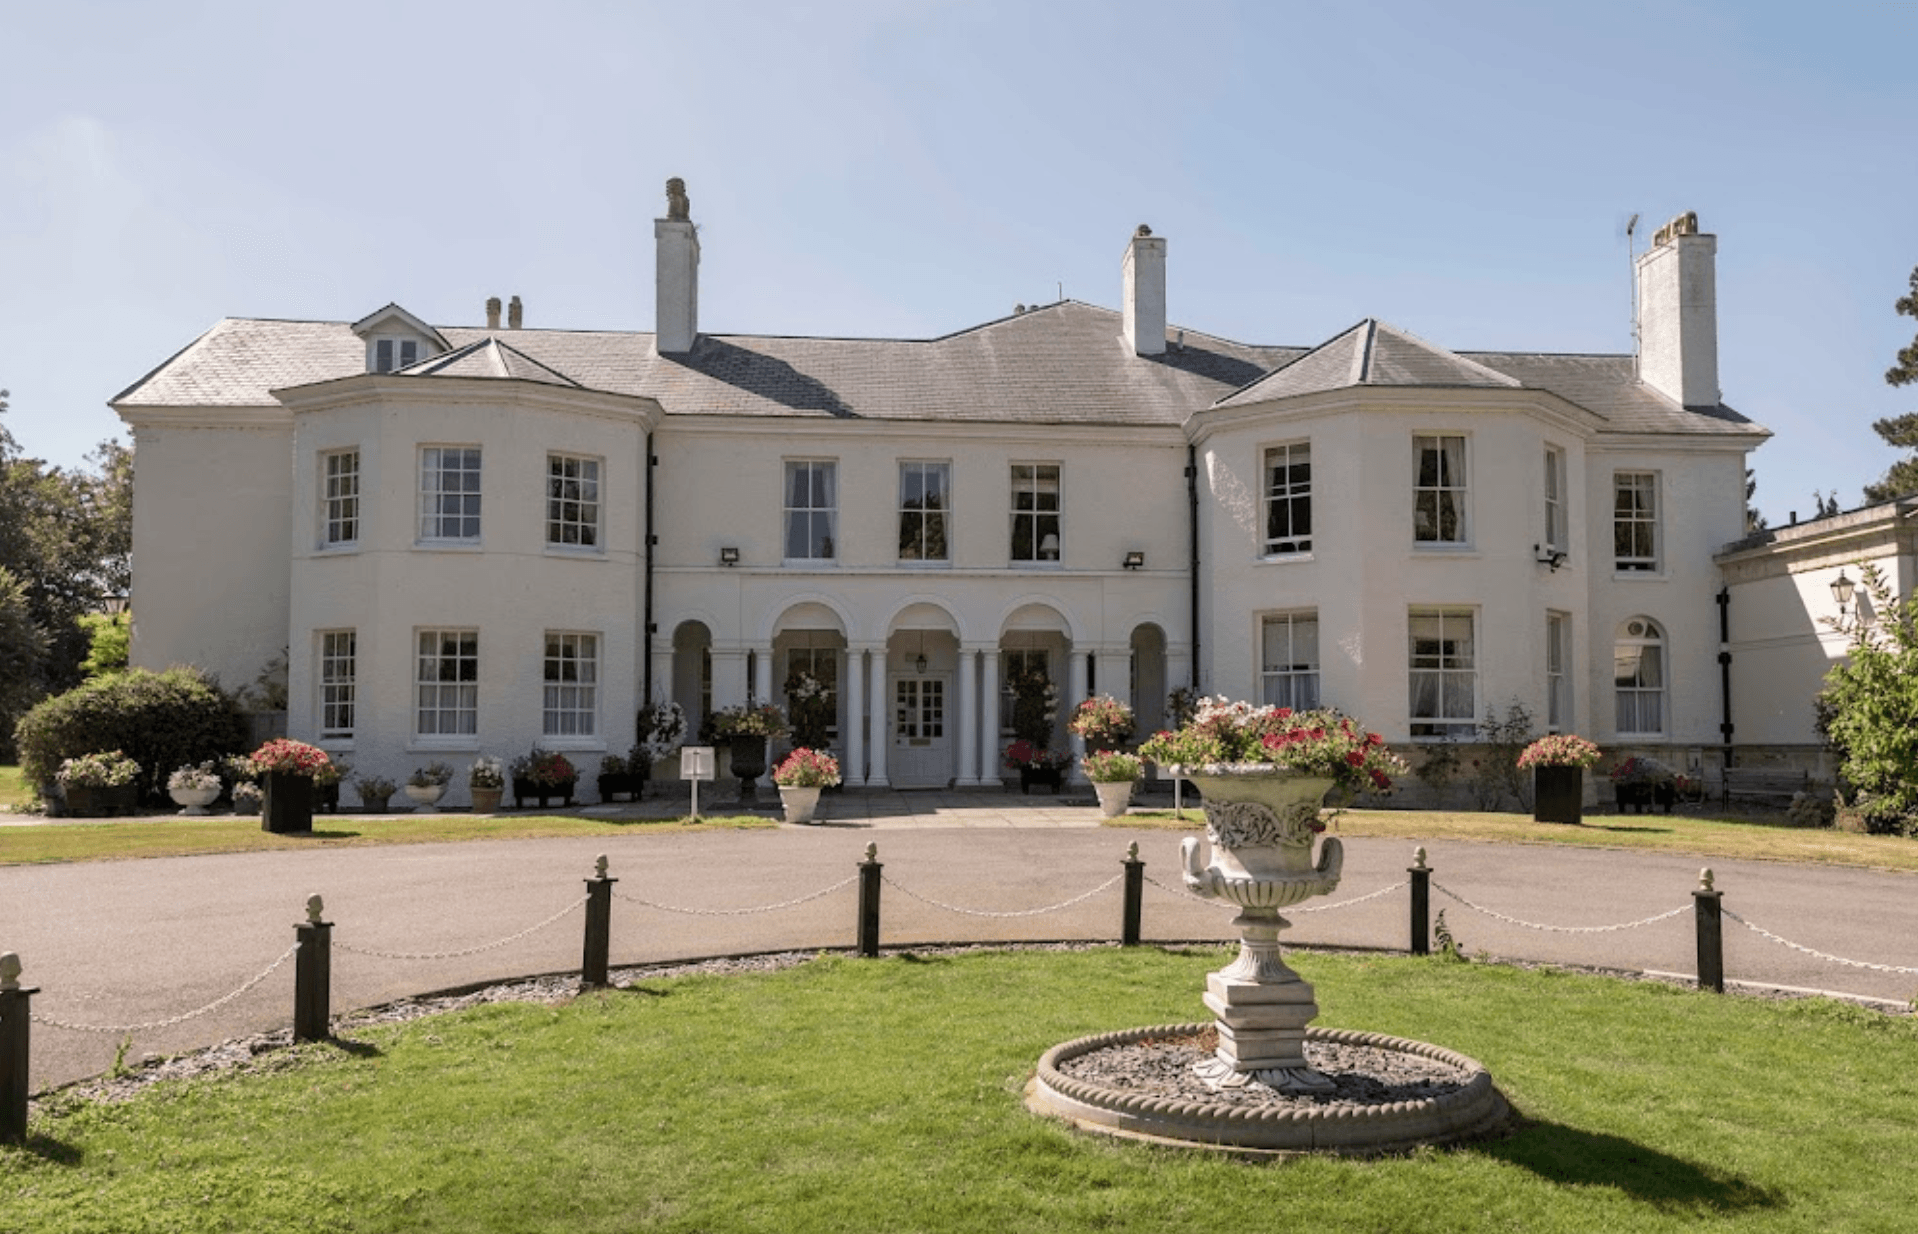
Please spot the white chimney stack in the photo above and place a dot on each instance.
(1144, 268)
(676, 274)
(1678, 314)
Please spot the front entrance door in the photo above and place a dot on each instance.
(921, 733)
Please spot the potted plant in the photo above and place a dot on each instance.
(616, 777)
(374, 790)
(811, 710)
(1558, 764)
(543, 775)
(1112, 773)
(747, 730)
(100, 784)
(1104, 722)
(1639, 782)
(486, 781)
(660, 730)
(800, 778)
(427, 785)
(194, 787)
(1036, 765)
(286, 769)
(247, 797)
(326, 785)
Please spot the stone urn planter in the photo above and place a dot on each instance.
(1558, 794)
(486, 800)
(800, 803)
(425, 797)
(1261, 823)
(1114, 796)
(748, 764)
(287, 804)
(194, 800)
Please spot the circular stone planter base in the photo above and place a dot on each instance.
(1392, 1095)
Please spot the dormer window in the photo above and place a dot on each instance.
(396, 339)
(392, 353)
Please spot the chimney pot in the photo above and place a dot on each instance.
(675, 274)
(513, 314)
(1678, 313)
(492, 312)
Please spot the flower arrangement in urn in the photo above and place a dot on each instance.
(428, 784)
(486, 783)
(1557, 763)
(1558, 750)
(542, 774)
(194, 787)
(800, 777)
(287, 767)
(287, 757)
(102, 783)
(1026, 756)
(1104, 722)
(1322, 743)
(742, 720)
(1112, 773)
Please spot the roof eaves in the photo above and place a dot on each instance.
(153, 372)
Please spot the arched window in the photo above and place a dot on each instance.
(1638, 676)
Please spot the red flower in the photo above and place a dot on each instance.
(1379, 780)
(1355, 757)
(1373, 739)
(1283, 712)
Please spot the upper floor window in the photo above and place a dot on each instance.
(446, 684)
(924, 503)
(338, 679)
(1558, 681)
(1288, 498)
(1556, 536)
(570, 707)
(1035, 512)
(812, 510)
(1444, 674)
(572, 501)
(392, 353)
(1638, 676)
(1289, 665)
(450, 493)
(1438, 490)
(1635, 520)
(340, 497)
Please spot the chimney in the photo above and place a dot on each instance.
(1678, 314)
(1144, 269)
(675, 274)
(492, 312)
(513, 317)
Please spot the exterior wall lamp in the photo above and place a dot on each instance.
(1134, 560)
(1842, 589)
(729, 556)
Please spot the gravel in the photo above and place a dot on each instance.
(1361, 1075)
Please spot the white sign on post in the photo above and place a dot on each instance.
(697, 763)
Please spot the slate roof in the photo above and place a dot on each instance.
(1064, 363)
(489, 358)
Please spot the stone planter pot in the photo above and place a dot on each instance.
(1114, 796)
(287, 806)
(425, 797)
(531, 790)
(194, 800)
(1558, 794)
(80, 801)
(1251, 853)
(800, 803)
(374, 805)
(748, 764)
(1051, 777)
(486, 800)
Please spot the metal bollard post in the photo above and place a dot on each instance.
(16, 1021)
(1421, 903)
(869, 903)
(1134, 889)
(1711, 938)
(313, 975)
(599, 927)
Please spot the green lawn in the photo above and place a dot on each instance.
(887, 1095)
(1758, 839)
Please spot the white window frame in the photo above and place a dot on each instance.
(1636, 524)
(815, 511)
(336, 656)
(1444, 490)
(1284, 493)
(1291, 679)
(1444, 666)
(384, 355)
(574, 517)
(1638, 636)
(340, 504)
(446, 686)
(925, 516)
(569, 678)
(1027, 480)
(1557, 535)
(1558, 677)
(441, 506)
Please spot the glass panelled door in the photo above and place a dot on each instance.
(921, 733)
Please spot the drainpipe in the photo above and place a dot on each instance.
(646, 644)
(1192, 562)
(1725, 670)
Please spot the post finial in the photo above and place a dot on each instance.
(9, 971)
(1418, 857)
(1132, 851)
(872, 852)
(314, 907)
(1705, 879)
(599, 866)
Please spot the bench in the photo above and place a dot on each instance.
(1763, 785)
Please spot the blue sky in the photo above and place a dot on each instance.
(907, 169)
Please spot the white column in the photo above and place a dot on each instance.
(881, 721)
(854, 692)
(1075, 694)
(763, 675)
(729, 677)
(968, 726)
(989, 716)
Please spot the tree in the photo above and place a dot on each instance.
(1900, 432)
(1869, 708)
(22, 646)
(1754, 521)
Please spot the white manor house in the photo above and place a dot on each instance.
(471, 540)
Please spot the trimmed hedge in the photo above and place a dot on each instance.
(160, 720)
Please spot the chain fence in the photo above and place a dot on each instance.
(183, 1017)
(1555, 929)
(981, 912)
(495, 945)
(1786, 942)
(738, 912)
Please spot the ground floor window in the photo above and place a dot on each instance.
(1444, 674)
(1289, 661)
(570, 707)
(1638, 676)
(338, 652)
(446, 683)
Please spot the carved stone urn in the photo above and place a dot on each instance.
(1261, 821)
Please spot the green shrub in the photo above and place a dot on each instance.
(1869, 710)
(161, 720)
